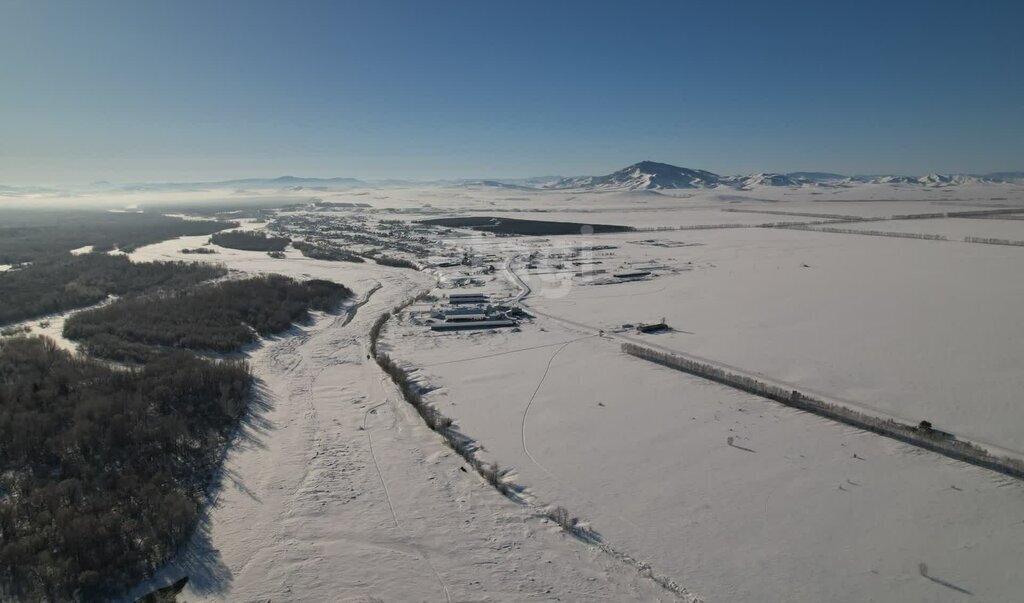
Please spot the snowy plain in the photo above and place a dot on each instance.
(335, 490)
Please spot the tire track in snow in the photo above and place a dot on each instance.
(526, 411)
(373, 456)
(387, 497)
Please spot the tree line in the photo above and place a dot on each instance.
(991, 241)
(323, 250)
(873, 233)
(65, 282)
(395, 262)
(219, 317)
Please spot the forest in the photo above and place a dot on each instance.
(64, 282)
(326, 251)
(28, 235)
(249, 241)
(219, 317)
(105, 469)
(395, 262)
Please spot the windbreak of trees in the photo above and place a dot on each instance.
(980, 213)
(250, 240)
(462, 444)
(991, 241)
(326, 251)
(29, 235)
(793, 213)
(873, 233)
(104, 470)
(65, 282)
(921, 435)
(939, 214)
(220, 317)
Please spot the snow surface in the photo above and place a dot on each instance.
(335, 489)
(739, 498)
(918, 329)
(952, 228)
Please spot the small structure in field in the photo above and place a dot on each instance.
(656, 327)
(632, 274)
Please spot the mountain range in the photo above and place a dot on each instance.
(645, 175)
(651, 175)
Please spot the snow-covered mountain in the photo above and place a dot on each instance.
(646, 175)
(931, 180)
(817, 177)
(1016, 177)
(764, 179)
(651, 175)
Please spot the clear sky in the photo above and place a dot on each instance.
(179, 90)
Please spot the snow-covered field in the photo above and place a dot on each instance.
(918, 329)
(952, 228)
(738, 498)
(337, 491)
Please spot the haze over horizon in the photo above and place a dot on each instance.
(126, 92)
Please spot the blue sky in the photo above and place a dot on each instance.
(130, 90)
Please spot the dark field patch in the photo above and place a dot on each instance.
(514, 226)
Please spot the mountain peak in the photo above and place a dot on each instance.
(645, 175)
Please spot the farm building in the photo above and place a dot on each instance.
(656, 327)
(464, 314)
(634, 274)
(473, 324)
(468, 298)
